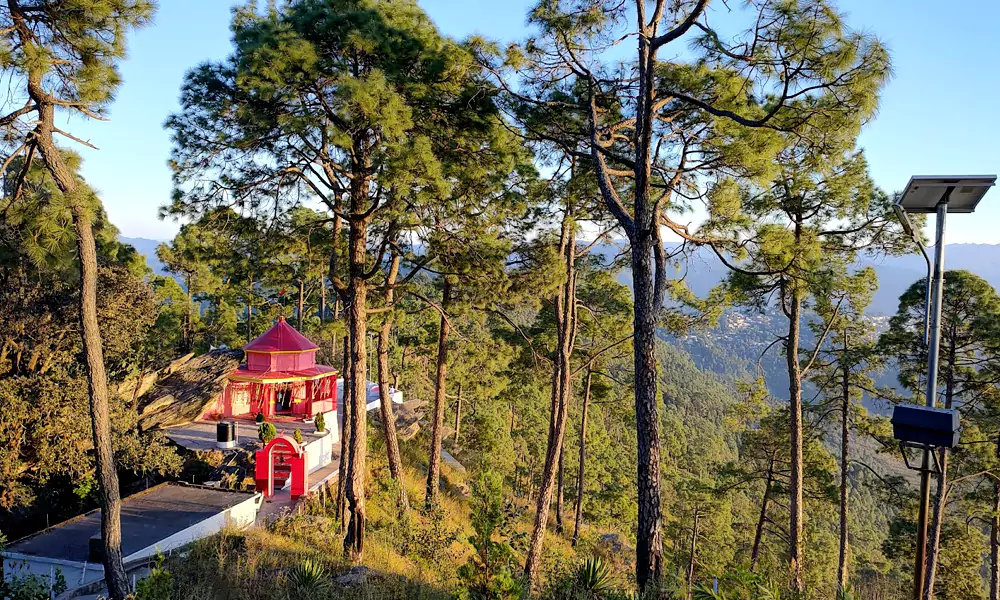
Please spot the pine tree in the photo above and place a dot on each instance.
(353, 103)
(63, 58)
(969, 313)
(842, 372)
(816, 215)
(652, 125)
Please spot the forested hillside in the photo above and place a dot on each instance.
(593, 411)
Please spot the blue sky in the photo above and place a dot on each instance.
(937, 115)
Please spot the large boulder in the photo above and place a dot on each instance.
(182, 394)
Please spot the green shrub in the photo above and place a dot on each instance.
(492, 571)
(259, 418)
(739, 585)
(30, 587)
(309, 576)
(158, 585)
(267, 432)
(298, 437)
(320, 423)
(594, 576)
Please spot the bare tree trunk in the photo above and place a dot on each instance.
(758, 537)
(941, 493)
(934, 535)
(249, 309)
(795, 544)
(109, 496)
(345, 436)
(357, 293)
(845, 440)
(649, 542)
(301, 303)
(559, 492)
(995, 537)
(322, 300)
(561, 393)
(583, 454)
(385, 401)
(189, 320)
(693, 552)
(434, 458)
(458, 419)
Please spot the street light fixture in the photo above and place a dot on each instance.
(908, 228)
(940, 195)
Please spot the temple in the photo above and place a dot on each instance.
(280, 378)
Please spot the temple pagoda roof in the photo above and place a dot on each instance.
(281, 337)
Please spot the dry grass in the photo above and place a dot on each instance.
(416, 556)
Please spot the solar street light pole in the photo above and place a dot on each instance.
(933, 337)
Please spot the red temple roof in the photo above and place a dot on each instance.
(282, 337)
(314, 372)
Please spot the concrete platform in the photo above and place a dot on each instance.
(200, 435)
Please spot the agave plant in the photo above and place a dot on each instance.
(309, 576)
(594, 577)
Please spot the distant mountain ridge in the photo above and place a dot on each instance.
(895, 274)
(704, 271)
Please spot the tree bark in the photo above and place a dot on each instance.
(358, 319)
(649, 542)
(345, 436)
(109, 496)
(795, 549)
(322, 301)
(758, 537)
(189, 320)
(845, 440)
(301, 303)
(249, 309)
(385, 401)
(559, 492)
(561, 393)
(583, 455)
(693, 552)
(995, 538)
(941, 492)
(458, 419)
(434, 458)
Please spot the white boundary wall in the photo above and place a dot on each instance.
(76, 573)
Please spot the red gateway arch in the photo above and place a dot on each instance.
(280, 460)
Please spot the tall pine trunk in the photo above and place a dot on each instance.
(583, 456)
(995, 538)
(795, 545)
(109, 496)
(357, 299)
(385, 401)
(440, 382)
(301, 304)
(562, 382)
(559, 493)
(693, 551)
(250, 308)
(649, 542)
(189, 318)
(458, 419)
(345, 436)
(758, 537)
(322, 300)
(845, 440)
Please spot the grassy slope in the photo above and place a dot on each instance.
(414, 557)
